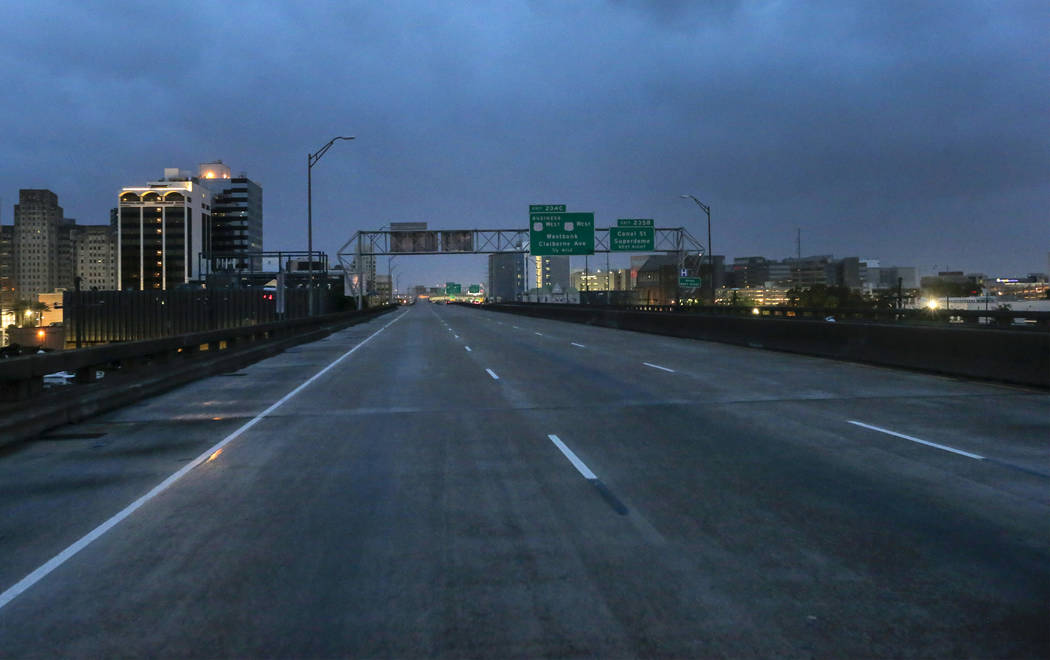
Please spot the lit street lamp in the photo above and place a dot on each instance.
(311, 160)
(710, 252)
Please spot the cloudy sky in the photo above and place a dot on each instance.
(915, 132)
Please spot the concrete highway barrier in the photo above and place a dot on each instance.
(1020, 357)
(147, 368)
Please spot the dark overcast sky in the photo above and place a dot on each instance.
(914, 132)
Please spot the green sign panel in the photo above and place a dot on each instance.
(546, 208)
(474, 288)
(689, 282)
(560, 233)
(631, 239)
(635, 222)
(452, 287)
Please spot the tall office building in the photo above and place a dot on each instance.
(506, 276)
(236, 226)
(95, 256)
(550, 271)
(171, 230)
(66, 260)
(36, 235)
(160, 231)
(7, 266)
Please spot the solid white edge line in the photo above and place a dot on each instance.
(579, 345)
(656, 366)
(41, 572)
(921, 442)
(580, 466)
(468, 348)
(493, 374)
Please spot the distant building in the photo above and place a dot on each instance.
(384, 287)
(171, 230)
(713, 267)
(1032, 287)
(602, 280)
(95, 256)
(506, 281)
(888, 276)
(7, 266)
(160, 231)
(657, 280)
(753, 273)
(236, 228)
(550, 271)
(368, 272)
(37, 228)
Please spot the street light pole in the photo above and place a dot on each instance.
(311, 160)
(710, 251)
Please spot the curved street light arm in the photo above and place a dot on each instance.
(705, 207)
(314, 157)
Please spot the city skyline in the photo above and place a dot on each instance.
(909, 134)
(599, 262)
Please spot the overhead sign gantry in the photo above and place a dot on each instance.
(552, 231)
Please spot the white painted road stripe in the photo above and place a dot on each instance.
(539, 333)
(656, 366)
(921, 442)
(40, 573)
(579, 345)
(457, 336)
(492, 373)
(576, 462)
(468, 348)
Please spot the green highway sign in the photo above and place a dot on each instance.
(546, 208)
(631, 239)
(474, 288)
(635, 222)
(689, 282)
(560, 233)
(452, 288)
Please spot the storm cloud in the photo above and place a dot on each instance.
(911, 132)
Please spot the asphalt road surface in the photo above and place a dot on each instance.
(452, 482)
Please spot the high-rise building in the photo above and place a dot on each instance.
(95, 256)
(160, 231)
(37, 225)
(236, 226)
(506, 276)
(65, 260)
(7, 266)
(551, 271)
(171, 230)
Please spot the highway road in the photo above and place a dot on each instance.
(447, 481)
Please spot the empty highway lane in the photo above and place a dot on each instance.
(447, 481)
